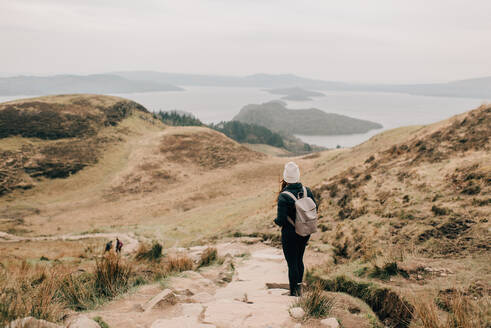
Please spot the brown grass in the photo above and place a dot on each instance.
(179, 263)
(208, 149)
(29, 291)
(48, 292)
(112, 275)
(209, 256)
(428, 202)
(150, 253)
(315, 301)
(461, 313)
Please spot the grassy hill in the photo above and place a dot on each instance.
(57, 136)
(275, 116)
(429, 192)
(408, 211)
(404, 217)
(101, 151)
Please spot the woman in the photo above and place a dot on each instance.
(293, 244)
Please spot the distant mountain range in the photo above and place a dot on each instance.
(65, 84)
(471, 88)
(275, 116)
(147, 81)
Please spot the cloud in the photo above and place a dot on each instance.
(350, 40)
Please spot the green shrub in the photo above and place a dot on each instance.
(176, 118)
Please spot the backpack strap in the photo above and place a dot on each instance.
(295, 199)
(290, 194)
(304, 191)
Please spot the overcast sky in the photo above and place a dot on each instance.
(366, 41)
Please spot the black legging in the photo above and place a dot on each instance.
(293, 248)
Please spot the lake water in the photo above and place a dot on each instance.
(214, 104)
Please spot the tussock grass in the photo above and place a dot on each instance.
(462, 314)
(179, 263)
(153, 253)
(209, 256)
(112, 275)
(29, 291)
(315, 302)
(78, 292)
(46, 292)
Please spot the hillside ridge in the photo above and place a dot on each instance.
(403, 219)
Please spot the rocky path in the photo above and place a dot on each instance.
(203, 299)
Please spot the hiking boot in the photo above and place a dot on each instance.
(297, 291)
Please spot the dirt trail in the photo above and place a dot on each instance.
(129, 240)
(205, 301)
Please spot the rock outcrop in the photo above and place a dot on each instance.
(82, 321)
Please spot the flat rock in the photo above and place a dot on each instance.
(137, 308)
(164, 297)
(30, 322)
(329, 323)
(180, 322)
(191, 309)
(268, 255)
(202, 297)
(297, 312)
(227, 313)
(194, 282)
(82, 321)
(192, 275)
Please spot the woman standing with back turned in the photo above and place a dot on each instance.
(293, 244)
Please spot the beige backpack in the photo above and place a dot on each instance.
(306, 220)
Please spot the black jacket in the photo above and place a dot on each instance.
(286, 205)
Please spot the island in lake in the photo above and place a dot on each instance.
(295, 94)
(275, 116)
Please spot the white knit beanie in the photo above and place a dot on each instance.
(291, 174)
